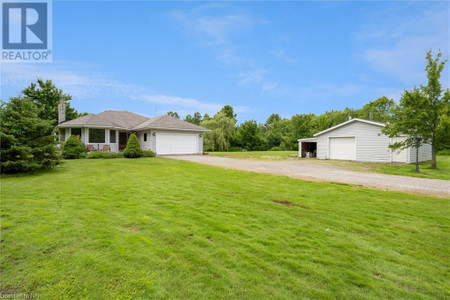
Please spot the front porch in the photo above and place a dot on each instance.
(105, 139)
(98, 139)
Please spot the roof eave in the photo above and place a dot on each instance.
(172, 128)
(91, 126)
(348, 122)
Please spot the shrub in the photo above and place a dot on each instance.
(104, 154)
(275, 149)
(234, 149)
(444, 152)
(72, 148)
(27, 143)
(148, 153)
(133, 149)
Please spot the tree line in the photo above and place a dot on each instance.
(278, 133)
(422, 114)
(28, 139)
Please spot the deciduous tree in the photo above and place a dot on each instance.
(173, 114)
(45, 95)
(421, 109)
(222, 130)
(248, 136)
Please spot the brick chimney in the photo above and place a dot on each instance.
(61, 109)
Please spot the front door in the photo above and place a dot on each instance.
(123, 138)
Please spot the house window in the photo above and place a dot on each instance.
(145, 137)
(112, 136)
(62, 134)
(96, 135)
(76, 132)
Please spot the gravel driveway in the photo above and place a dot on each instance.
(318, 171)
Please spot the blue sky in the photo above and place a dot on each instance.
(259, 57)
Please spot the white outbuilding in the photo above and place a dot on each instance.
(359, 140)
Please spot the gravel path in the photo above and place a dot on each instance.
(317, 171)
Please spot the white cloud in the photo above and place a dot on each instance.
(252, 76)
(79, 80)
(84, 81)
(174, 101)
(396, 44)
(269, 86)
(329, 90)
(281, 54)
(215, 26)
(212, 28)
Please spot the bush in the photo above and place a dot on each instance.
(104, 154)
(275, 149)
(444, 152)
(148, 153)
(234, 149)
(133, 149)
(27, 143)
(72, 148)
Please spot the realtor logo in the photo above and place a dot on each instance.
(26, 31)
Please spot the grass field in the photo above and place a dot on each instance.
(260, 155)
(162, 228)
(442, 172)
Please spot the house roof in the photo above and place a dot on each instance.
(348, 122)
(130, 121)
(168, 122)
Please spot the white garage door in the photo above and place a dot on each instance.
(176, 143)
(343, 148)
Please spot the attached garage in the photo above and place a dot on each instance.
(342, 148)
(176, 143)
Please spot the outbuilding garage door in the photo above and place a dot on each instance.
(176, 143)
(343, 148)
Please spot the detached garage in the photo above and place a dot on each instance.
(360, 140)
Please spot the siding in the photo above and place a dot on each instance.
(371, 145)
(148, 144)
(424, 153)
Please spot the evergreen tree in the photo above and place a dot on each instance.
(27, 142)
(133, 149)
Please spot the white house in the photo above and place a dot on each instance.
(110, 130)
(359, 140)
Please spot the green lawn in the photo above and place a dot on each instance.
(260, 155)
(442, 172)
(161, 228)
